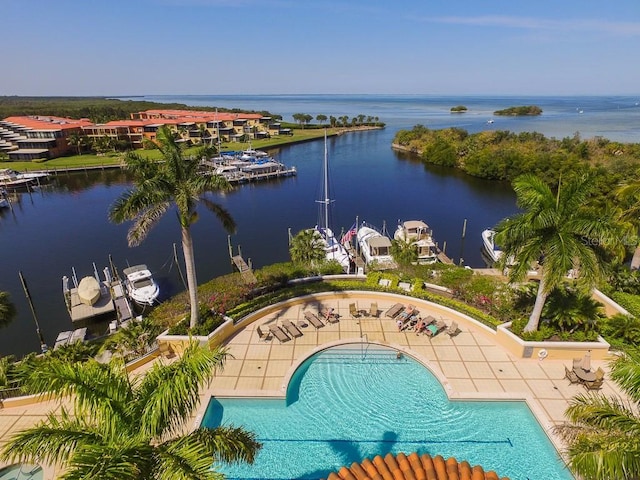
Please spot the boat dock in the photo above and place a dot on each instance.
(246, 272)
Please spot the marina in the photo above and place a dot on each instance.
(65, 222)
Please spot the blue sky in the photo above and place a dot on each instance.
(498, 47)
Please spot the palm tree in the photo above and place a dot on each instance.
(560, 229)
(7, 309)
(307, 248)
(77, 140)
(175, 180)
(603, 432)
(124, 427)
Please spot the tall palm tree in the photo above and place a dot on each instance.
(561, 229)
(158, 185)
(603, 433)
(7, 309)
(124, 427)
(307, 248)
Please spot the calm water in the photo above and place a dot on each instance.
(349, 403)
(65, 225)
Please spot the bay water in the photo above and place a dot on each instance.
(65, 225)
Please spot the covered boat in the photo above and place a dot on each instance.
(375, 248)
(418, 234)
(141, 287)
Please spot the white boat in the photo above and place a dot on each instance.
(13, 178)
(375, 248)
(419, 234)
(490, 248)
(333, 248)
(141, 287)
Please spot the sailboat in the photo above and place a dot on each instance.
(333, 248)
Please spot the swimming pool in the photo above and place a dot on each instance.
(350, 402)
(21, 472)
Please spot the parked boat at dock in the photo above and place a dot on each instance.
(375, 248)
(141, 287)
(490, 248)
(13, 179)
(418, 234)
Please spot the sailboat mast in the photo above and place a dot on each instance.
(326, 184)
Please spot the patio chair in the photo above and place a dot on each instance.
(595, 385)
(291, 329)
(577, 363)
(313, 319)
(434, 329)
(453, 329)
(280, 334)
(571, 375)
(394, 310)
(353, 310)
(263, 334)
(373, 311)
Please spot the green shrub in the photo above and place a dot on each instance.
(629, 301)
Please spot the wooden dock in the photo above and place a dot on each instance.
(245, 271)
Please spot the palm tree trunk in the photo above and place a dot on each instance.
(541, 297)
(192, 283)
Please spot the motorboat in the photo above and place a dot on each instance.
(141, 287)
(334, 250)
(490, 247)
(375, 248)
(418, 233)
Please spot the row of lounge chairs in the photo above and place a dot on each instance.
(288, 330)
(408, 319)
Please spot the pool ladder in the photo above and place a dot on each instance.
(364, 342)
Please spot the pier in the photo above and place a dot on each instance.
(246, 272)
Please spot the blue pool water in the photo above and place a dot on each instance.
(347, 403)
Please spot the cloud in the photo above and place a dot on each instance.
(529, 23)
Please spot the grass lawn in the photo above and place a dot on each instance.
(91, 160)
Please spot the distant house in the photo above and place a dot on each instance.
(38, 137)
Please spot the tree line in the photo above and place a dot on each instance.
(304, 120)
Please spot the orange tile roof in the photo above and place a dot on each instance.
(413, 467)
(204, 116)
(44, 122)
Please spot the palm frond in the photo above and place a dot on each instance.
(223, 215)
(228, 443)
(121, 460)
(168, 394)
(145, 222)
(625, 371)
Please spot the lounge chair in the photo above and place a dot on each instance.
(571, 375)
(453, 329)
(329, 314)
(313, 319)
(353, 310)
(410, 311)
(394, 311)
(373, 311)
(291, 329)
(263, 334)
(435, 328)
(280, 334)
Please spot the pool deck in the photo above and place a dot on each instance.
(470, 365)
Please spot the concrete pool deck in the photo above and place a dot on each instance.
(470, 365)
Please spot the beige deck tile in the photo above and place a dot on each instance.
(282, 352)
(470, 353)
(416, 340)
(272, 383)
(531, 369)
(232, 367)
(278, 368)
(348, 325)
(446, 352)
(379, 337)
(425, 351)
(225, 383)
(398, 338)
(253, 368)
(505, 370)
(555, 409)
(544, 389)
(513, 385)
(482, 339)
(568, 390)
(249, 383)
(258, 352)
(479, 370)
(494, 353)
(309, 337)
(488, 385)
(464, 338)
(454, 370)
(325, 336)
(237, 350)
(462, 385)
(243, 336)
(300, 350)
(555, 369)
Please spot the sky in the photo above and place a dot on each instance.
(219, 47)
